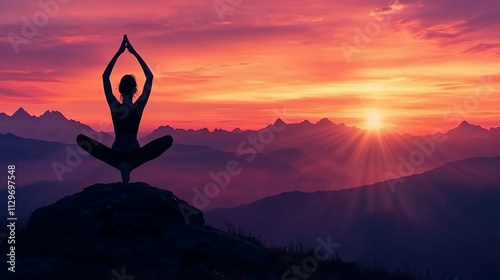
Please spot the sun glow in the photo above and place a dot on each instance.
(373, 120)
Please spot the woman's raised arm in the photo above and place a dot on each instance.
(110, 98)
(143, 99)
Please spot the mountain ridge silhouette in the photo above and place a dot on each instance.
(423, 223)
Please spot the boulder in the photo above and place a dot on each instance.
(148, 231)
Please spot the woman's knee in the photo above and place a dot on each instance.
(80, 138)
(84, 143)
(168, 139)
(160, 144)
(163, 141)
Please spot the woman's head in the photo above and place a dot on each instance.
(128, 86)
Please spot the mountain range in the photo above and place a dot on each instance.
(50, 126)
(320, 156)
(444, 221)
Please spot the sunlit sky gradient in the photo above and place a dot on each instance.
(418, 63)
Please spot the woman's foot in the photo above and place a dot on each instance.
(125, 170)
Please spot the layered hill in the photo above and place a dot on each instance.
(444, 220)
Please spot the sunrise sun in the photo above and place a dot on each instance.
(373, 120)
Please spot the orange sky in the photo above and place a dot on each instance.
(418, 63)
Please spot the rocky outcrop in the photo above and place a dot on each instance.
(146, 231)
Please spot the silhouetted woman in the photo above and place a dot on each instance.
(126, 154)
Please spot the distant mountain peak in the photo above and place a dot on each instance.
(20, 113)
(48, 112)
(324, 121)
(279, 121)
(466, 124)
(466, 127)
(53, 115)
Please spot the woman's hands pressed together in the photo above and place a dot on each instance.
(123, 45)
(126, 45)
(130, 48)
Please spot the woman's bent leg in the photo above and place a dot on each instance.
(152, 150)
(125, 161)
(98, 150)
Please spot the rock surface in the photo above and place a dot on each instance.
(147, 232)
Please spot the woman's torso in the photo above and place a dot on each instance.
(126, 120)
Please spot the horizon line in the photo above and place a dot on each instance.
(386, 130)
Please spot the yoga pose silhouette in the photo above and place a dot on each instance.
(126, 154)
